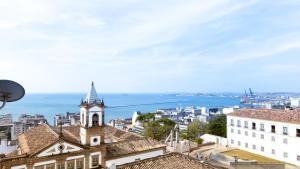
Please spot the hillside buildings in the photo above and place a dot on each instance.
(27, 122)
(67, 119)
(272, 133)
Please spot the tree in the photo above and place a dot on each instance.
(217, 126)
(194, 131)
(159, 129)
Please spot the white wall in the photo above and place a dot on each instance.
(133, 158)
(295, 102)
(48, 151)
(5, 148)
(292, 146)
(208, 138)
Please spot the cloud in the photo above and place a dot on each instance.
(134, 43)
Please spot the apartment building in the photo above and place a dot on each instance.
(271, 133)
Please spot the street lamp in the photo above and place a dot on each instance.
(10, 91)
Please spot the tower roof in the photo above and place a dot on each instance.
(92, 96)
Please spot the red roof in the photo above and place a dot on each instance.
(288, 116)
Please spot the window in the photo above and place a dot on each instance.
(246, 133)
(273, 128)
(79, 163)
(82, 118)
(285, 141)
(70, 164)
(253, 126)
(262, 136)
(232, 122)
(239, 131)
(273, 151)
(232, 141)
(253, 134)
(50, 166)
(239, 123)
(285, 131)
(253, 147)
(246, 124)
(95, 140)
(60, 165)
(95, 160)
(298, 158)
(285, 155)
(95, 119)
(39, 167)
(246, 145)
(298, 132)
(232, 130)
(273, 138)
(262, 148)
(262, 127)
(239, 143)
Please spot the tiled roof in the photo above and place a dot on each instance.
(112, 133)
(134, 146)
(168, 161)
(36, 139)
(43, 136)
(289, 116)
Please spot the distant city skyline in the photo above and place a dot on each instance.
(133, 46)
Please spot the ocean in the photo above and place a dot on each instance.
(119, 105)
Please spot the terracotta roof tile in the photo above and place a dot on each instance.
(168, 161)
(127, 147)
(289, 116)
(36, 139)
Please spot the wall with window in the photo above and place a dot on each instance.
(276, 140)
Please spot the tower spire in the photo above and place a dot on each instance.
(92, 96)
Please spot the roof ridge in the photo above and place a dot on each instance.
(70, 134)
(50, 129)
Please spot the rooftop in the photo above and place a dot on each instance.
(169, 161)
(118, 142)
(289, 116)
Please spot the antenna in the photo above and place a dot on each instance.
(10, 91)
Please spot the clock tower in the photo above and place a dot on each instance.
(92, 119)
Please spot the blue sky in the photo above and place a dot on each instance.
(151, 46)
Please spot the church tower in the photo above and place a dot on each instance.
(92, 119)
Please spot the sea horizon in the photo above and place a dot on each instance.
(119, 105)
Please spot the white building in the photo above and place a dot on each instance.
(295, 102)
(271, 133)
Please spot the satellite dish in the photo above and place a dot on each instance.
(10, 91)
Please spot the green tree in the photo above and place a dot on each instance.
(196, 129)
(159, 129)
(217, 126)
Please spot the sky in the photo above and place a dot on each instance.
(132, 46)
